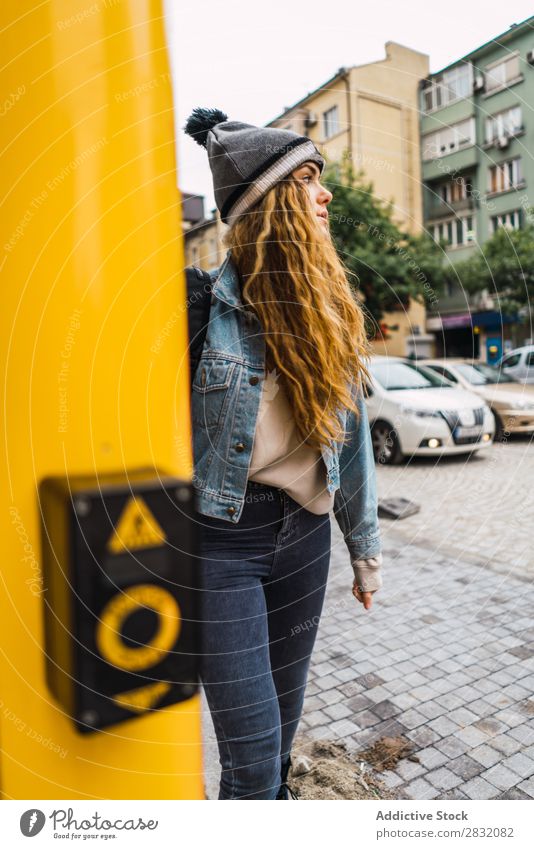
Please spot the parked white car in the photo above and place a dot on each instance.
(519, 364)
(414, 411)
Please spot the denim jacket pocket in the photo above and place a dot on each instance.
(210, 387)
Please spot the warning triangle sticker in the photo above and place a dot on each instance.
(143, 698)
(136, 528)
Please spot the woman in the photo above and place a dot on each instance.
(280, 438)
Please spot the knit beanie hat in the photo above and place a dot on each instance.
(246, 161)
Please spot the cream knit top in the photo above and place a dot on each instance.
(280, 458)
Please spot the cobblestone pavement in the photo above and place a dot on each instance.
(480, 507)
(446, 656)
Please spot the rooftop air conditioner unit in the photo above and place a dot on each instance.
(530, 57)
(478, 82)
(311, 119)
(502, 142)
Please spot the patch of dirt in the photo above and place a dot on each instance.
(527, 707)
(335, 773)
(387, 752)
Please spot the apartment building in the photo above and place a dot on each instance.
(477, 137)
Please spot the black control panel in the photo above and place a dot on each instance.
(120, 590)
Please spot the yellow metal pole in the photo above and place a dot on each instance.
(93, 334)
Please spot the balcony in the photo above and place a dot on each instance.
(450, 163)
(441, 209)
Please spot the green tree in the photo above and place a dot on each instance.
(390, 266)
(504, 266)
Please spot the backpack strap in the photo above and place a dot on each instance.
(199, 288)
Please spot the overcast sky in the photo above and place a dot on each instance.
(252, 60)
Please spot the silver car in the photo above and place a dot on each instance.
(519, 364)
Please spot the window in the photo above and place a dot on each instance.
(502, 73)
(431, 97)
(448, 87)
(449, 139)
(529, 360)
(454, 190)
(395, 374)
(456, 83)
(511, 220)
(441, 232)
(455, 231)
(331, 122)
(511, 361)
(482, 374)
(505, 123)
(505, 176)
(443, 371)
(449, 376)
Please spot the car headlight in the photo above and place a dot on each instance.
(422, 414)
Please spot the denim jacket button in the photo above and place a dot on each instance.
(253, 380)
(239, 446)
(230, 510)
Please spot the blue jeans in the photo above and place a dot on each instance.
(263, 584)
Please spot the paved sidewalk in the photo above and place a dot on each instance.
(445, 658)
(480, 507)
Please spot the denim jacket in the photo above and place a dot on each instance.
(226, 392)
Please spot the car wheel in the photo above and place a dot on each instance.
(499, 428)
(386, 446)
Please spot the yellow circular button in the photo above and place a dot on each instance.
(108, 631)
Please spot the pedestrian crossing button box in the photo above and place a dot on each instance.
(120, 592)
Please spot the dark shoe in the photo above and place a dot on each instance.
(286, 791)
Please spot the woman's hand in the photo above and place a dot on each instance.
(366, 574)
(365, 598)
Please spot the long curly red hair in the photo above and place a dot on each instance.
(294, 280)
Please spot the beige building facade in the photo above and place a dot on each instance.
(202, 235)
(370, 114)
(203, 246)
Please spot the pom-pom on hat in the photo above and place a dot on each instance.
(246, 161)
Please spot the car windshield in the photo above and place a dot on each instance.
(394, 374)
(480, 374)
